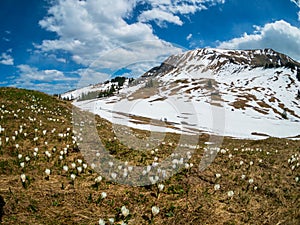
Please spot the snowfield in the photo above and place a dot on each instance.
(209, 94)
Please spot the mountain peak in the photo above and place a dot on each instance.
(218, 60)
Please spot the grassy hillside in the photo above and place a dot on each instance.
(250, 182)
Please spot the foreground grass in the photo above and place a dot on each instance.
(249, 182)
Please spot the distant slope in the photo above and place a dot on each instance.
(97, 90)
(255, 94)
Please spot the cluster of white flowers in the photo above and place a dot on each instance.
(293, 161)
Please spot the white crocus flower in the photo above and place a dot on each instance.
(218, 175)
(73, 176)
(23, 177)
(79, 169)
(114, 175)
(47, 171)
(111, 220)
(217, 187)
(124, 211)
(98, 179)
(101, 222)
(103, 195)
(161, 187)
(230, 194)
(155, 210)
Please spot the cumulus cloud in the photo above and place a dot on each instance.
(90, 30)
(6, 59)
(90, 76)
(97, 36)
(280, 36)
(33, 74)
(50, 81)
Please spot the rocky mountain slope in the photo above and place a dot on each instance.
(244, 94)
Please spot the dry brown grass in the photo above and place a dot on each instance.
(188, 197)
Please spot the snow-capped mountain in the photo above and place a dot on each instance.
(245, 94)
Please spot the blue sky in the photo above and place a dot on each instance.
(54, 46)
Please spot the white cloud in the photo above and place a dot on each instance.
(184, 7)
(45, 87)
(50, 81)
(297, 2)
(189, 37)
(168, 11)
(55, 58)
(160, 17)
(90, 76)
(92, 30)
(6, 59)
(6, 39)
(280, 36)
(28, 73)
